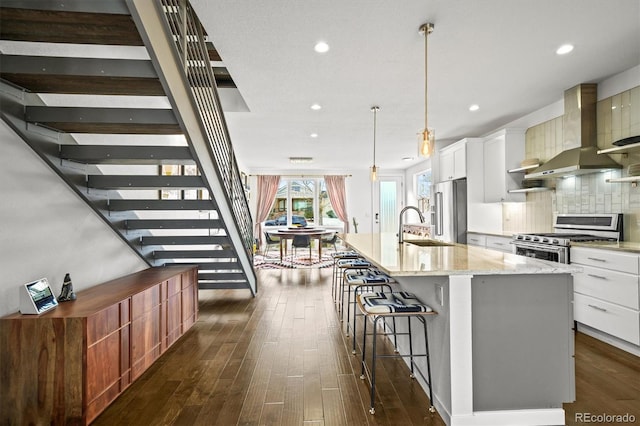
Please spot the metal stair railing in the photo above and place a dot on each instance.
(187, 79)
(190, 43)
(175, 40)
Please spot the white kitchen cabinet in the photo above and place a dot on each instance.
(610, 318)
(491, 242)
(495, 242)
(453, 161)
(607, 291)
(479, 240)
(503, 150)
(607, 259)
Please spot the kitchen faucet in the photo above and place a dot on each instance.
(400, 236)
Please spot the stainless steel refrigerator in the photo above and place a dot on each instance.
(449, 211)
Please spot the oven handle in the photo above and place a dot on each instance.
(551, 249)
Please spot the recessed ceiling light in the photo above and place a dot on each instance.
(314, 135)
(316, 107)
(474, 107)
(407, 158)
(321, 47)
(564, 49)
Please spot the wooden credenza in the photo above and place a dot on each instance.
(67, 365)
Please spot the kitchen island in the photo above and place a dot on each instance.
(502, 342)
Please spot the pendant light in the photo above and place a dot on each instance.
(374, 168)
(427, 136)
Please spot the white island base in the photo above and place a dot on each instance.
(502, 344)
(501, 347)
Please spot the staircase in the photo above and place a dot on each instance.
(120, 99)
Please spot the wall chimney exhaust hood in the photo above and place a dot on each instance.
(579, 133)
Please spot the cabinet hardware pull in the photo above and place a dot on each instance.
(596, 259)
(600, 277)
(597, 307)
(498, 244)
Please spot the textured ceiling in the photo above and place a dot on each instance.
(499, 54)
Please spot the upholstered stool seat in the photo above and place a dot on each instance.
(342, 266)
(389, 303)
(380, 306)
(362, 281)
(368, 276)
(345, 254)
(339, 255)
(354, 263)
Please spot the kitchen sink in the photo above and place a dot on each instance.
(428, 243)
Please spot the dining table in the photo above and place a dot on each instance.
(289, 233)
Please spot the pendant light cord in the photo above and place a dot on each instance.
(426, 29)
(375, 113)
(426, 35)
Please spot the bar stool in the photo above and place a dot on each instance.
(364, 280)
(380, 306)
(336, 257)
(342, 265)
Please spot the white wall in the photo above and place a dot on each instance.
(359, 190)
(46, 230)
(358, 187)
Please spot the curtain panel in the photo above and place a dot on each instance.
(267, 189)
(338, 197)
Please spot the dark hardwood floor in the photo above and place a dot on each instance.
(282, 359)
(607, 383)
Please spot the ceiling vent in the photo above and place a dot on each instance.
(300, 160)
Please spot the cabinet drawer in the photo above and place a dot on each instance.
(103, 366)
(610, 286)
(499, 243)
(145, 301)
(622, 262)
(612, 319)
(174, 285)
(103, 324)
(477, 240)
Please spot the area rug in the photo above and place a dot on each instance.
(272, 261)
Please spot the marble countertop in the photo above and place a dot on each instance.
(628, 246)
(496, 234)
(407, 259)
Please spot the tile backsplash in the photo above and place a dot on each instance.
(618, 117)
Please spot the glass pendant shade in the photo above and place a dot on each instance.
(427, 142)
(374, 173)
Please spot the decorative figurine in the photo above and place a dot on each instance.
(67, 294)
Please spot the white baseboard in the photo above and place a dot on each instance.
(607, 338)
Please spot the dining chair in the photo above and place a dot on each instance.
(301, 241)
(268, 241)
(331, 241)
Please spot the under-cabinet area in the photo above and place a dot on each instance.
(67, 365)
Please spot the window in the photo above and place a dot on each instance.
(181, 194)
(170, 194)
(307, 198)
(423, 190)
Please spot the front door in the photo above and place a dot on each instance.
(387, 203)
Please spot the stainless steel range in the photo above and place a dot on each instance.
(570, 228)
